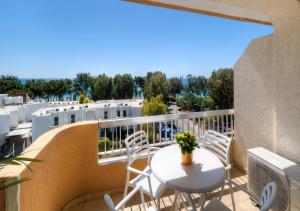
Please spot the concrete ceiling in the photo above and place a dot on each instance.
(241, 10)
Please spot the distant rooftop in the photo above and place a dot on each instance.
(98, 104)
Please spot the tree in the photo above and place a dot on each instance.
(197, 85)
(123, 86)
(139, 83)
(68, 83)
(191, 102)
(208, 103)
(154, 106)
(36, 88)
(221, 88)
(102, 88)
(176, 86)
(83, 83)
(10, 84)
(157, 84)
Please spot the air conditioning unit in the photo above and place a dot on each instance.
(265, 166)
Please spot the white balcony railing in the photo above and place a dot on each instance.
(161, 129)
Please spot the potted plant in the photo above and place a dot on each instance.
(187, 143)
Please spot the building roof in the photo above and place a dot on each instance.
(90, 106)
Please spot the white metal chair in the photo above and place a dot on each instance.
(220, 145)
(137, 146)
(267, 198)
(109, 202)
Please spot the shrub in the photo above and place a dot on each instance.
(154, 106)
(87, 100)
(102, 142)
(81, 98)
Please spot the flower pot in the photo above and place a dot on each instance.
(187, 158)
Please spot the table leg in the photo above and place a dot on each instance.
(174, 205)
(190, 200)
(204, 197)
(183, 202)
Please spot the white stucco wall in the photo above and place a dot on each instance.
(255, 115)
(267, 87)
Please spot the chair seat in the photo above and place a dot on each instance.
(216, 205)
(142, 181)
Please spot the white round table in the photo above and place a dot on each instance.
(205, 174)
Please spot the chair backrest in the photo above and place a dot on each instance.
(220, 145)
(137, 144)
(268, 196)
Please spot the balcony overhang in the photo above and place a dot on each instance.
(210, 8)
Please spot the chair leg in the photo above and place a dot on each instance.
(126, 188)
(232, 198)
(231, 189)
(222, 191)
(143, 200)
(158, 203)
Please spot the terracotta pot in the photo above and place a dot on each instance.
(187, 158)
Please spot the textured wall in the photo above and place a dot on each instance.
(254, 98)
(287, 71)
(267, 88)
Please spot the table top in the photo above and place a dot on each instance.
(205, 174)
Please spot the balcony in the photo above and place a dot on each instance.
(76, 172)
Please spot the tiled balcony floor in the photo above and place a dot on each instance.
(242, 201)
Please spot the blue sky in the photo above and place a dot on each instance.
(57, 39)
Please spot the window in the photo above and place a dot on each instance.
(72, 118)
(105, 115)
(124, 113)
(56, 121)
(118, 113)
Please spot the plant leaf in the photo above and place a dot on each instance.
(19, 158)
(30, 169)
(12, 182)
(9, 161)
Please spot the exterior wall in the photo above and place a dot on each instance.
(13, 117)
(2, 98)
(21, 114)
(13, 100)
(33, 107)
(4, 125)
(254, 106)
(287, 80)
(69, 168)
(39, 126)
(267, 87)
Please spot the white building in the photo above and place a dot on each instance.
(10, 100)
(12, 116)
(48, 118)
